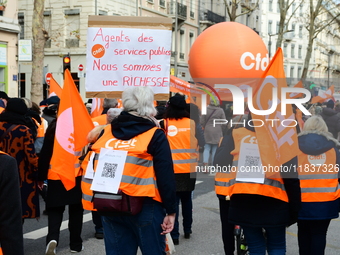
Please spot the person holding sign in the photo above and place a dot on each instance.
(258, 199)
(133, 161)
(319, 162)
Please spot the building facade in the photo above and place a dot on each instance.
(9, 31)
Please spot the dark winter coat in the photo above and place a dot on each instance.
(257, 210)
(332, 120)
(316, 144)
(11, 236)
(57, 195)
(19, 144)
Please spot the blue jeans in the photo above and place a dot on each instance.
(209, 149)
(186, 201)
(123, 234)
(274, 242)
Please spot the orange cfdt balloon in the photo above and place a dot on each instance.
(228, 50)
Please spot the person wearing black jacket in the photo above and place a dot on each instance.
(11, 235)
(254, 212)
(124, 233)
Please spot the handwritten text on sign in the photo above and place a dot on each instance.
(121, 57)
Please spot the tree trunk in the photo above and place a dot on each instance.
(233, 15)
(38, 52)
(283, 13)
(309, 51)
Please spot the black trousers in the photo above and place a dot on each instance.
(227, 228)
(75, 224)
(312, 236)
(97, 221)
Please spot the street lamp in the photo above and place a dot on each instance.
(270, 41)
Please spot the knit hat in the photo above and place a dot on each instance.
(52, 100)
(178, 102)
(330, 104)
(16, 105)
(3, 95)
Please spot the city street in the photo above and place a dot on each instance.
(205, 240)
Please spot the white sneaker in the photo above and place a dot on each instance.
(82, 248)
(51, 248)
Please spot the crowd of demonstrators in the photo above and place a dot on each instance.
(180, 131)
(331, 117)
(17, 140)
(136, 123)
(320, 192)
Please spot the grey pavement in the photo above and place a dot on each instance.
(206, 237)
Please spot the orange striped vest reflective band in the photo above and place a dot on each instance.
(226, 184)
(318, 176)
(138, 178)
(86, 183)
(183, 144)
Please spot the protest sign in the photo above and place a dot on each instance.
(124, 52)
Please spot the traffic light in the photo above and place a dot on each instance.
(66, 63)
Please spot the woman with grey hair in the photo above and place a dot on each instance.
(319, 161)
(148, 177)
(113, 113)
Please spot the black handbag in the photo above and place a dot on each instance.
(117, 203)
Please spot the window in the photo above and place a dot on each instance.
(300, 51)
(270, 31)
(278, 7)
(293, 27)
(292, 50)
(72, 28)
(277, 26)
(47, 27)
(285, 45)
(299, 72)
(102, 13)
(2, 78)
(301, 10)
(21, 19)
(300, 31)
(181, 45)
(191, 38)
(293, 7)
(291, 72)
(270, 5)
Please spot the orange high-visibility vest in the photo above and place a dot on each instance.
(1, 251)
(139, 179)
(226, 184)
(1, 109)
(183, 144)
(100, 120)
(86, 183)
(319, 177)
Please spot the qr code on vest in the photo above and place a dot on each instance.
(109, 170)
(252, 160)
